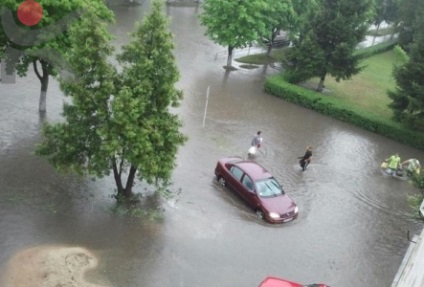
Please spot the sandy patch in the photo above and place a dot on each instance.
(50, 266)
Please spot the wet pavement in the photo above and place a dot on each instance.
(351, 230)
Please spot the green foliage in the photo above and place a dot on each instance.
(53, 11)
(385, 10)
(49, 39)
(326, 43)
(81, 143)
(276, 55)
(338, 109)
(410, 12)
(119, 122)
(280, 15)
(408, 98)
(302, 10)
(401, 56)
(368, 89)
(415, 200)
(152, 136)
(376, 49)
(234, 24)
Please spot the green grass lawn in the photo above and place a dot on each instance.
(369, 88)
(277, 55)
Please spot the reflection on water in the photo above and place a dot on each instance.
(352, 222)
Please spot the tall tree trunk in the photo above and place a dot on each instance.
(378, 28)
(376, 33)
(44, 79)
(321, 83)
(130, 182)
(118, 180)
(268, 51)
(271, 43)
(230, 56)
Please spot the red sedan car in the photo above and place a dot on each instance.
(258, 187)
(278, 282)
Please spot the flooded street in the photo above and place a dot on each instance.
(352, 224)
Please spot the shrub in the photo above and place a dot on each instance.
(376, 49)
(336, 108)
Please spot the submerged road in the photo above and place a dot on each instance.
(351, 230)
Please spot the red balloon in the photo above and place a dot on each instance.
(30, 13)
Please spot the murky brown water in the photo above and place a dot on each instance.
(352, 225)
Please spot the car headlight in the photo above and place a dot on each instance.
(274, 215)
(296, 209)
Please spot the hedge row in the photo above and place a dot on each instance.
(376, 49)
(276, 85)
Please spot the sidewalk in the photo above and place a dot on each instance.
(411, 270)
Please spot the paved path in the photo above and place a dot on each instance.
(410, 273)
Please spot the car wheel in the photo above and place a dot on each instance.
(222, 181)
(260, 214)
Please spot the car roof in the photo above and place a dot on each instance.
(253, 169)
(271, 281)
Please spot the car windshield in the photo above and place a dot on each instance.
(269, 188)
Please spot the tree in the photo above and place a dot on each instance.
(384, 11)
(119, 123)
(43, 45)
(327, 42)
(415, 201)
(302, 10)
(234, 24)
(279, 15)
(408, 14)
(408, 97)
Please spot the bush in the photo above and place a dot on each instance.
(376, 49)
(336, 108)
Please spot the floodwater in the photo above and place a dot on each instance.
(353, 221)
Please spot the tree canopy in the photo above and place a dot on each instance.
(409, 12)
(408, 98)
(280, 15)
(44, 44)
(119, 122)
(385, 11)
(234, 24)
(327, 41)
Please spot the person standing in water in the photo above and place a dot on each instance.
(257, 140)
(393, 164)
(306, 158)
(255, 143)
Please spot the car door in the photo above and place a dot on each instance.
(249, 193)
(234, 180)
